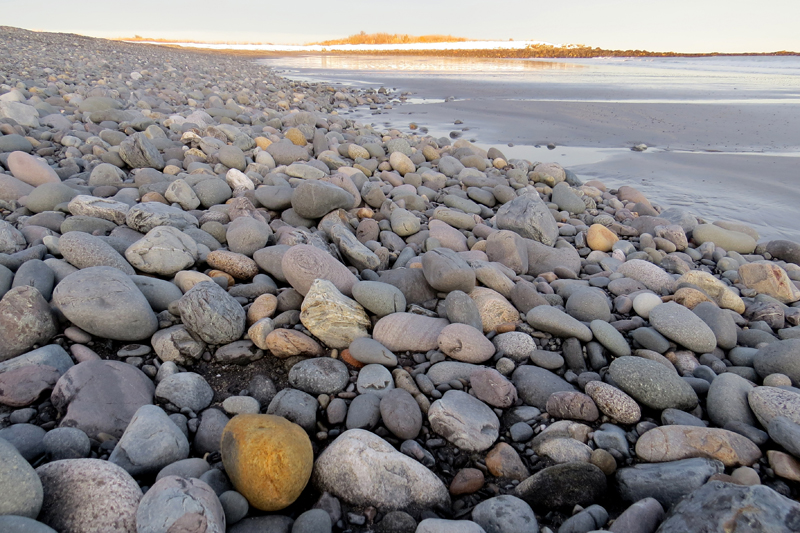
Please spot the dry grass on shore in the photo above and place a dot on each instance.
(391, 38)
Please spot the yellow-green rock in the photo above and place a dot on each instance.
(268, 459)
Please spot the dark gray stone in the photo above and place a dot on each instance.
(535, 385)
(564, 486)
(652, 383)
(323, 375)
(666, 482)
(505, 514)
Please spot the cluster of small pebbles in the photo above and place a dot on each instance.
(226, 307)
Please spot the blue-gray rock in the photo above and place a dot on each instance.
(590, 519)
(465, 421)
(186, 468)
(260, 524)
(666, 482)
(369, 351)
(105, 302)
(209, 432)
(364, 412)
(22, 524)
(66, 443)
(587, 304)
(679, 324)
(26, 438)
(786, 433)
(313, 521)
(83, 250)
(528, 216)
(85, 392)
(401, 414)
(35, 273)
(20, 489)
(726, 400)
(535, 385)
(652, 383)
(150, 442)
(720, 321)
(505, 514)
(379, 298)
(446, 271)
(51, 355)
(440, 525)
(543, 258)
(779, 358)
(295, 406)
(557, 322)
(643, 516)
(176, 503)
(322, 375)
(566, 199)
(314, 199)
(461, 309)
(235, 506)
(564, 486)
(158, 292)
(212, 314)
(610, 337)
(185, 389)
(719, 506)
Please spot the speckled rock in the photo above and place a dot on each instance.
(332, 317)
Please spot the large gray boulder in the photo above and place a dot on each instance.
(528, 216)
(212, 314)
(106, 302)
(150, 442)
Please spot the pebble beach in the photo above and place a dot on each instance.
(227, 307)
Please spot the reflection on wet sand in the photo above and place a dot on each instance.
(435, 64)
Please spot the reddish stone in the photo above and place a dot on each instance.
(22, 386)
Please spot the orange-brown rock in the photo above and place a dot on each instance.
(263, 307)
(267, 458)
(237, 265)
(784, 465)
(689, 297)
(672, 443)
(285, 343)
(296, 136)
(504, 461)
(349, 359)
(466, 481)
(154, 197)
(600, 238)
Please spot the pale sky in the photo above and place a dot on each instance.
(665, 25)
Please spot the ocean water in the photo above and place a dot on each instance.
(724, 132)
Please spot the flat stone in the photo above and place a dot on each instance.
(650, 275)
(321, 375)
(31, 170)
(770, 279)
(302, 264)
(666, 482)
(672, 443)
(145, 216)
(563, 486)
(722, 295)
(465, 343)
(491, 387)
(185, 389)
(22, 386)
(83, 251)
(164, 251)
(393, 331)
(560, 324)
(610, 338)
(731, 241)
(613, 402)
(401, 414)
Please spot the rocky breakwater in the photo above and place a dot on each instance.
(226, 307)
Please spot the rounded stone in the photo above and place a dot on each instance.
(175, 503)
(643, 303)
(322, 375)
(303, 263)
(465, 343)
(379, 298)
(185, 389)
(600, 238)
(613, 402)
(679, 324)
(105, 302)
(20, 489)
(268, 459)
(66, 443)
(88, 495)
(25, 320)
(465, 421)
(505, 514)
(652, 383)
(375, 379)
(401, 414)
(608, 336)
(515, 345)
(212, 314)
(588, 304)
(369, 351)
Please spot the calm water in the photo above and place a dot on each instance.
(746, 110)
